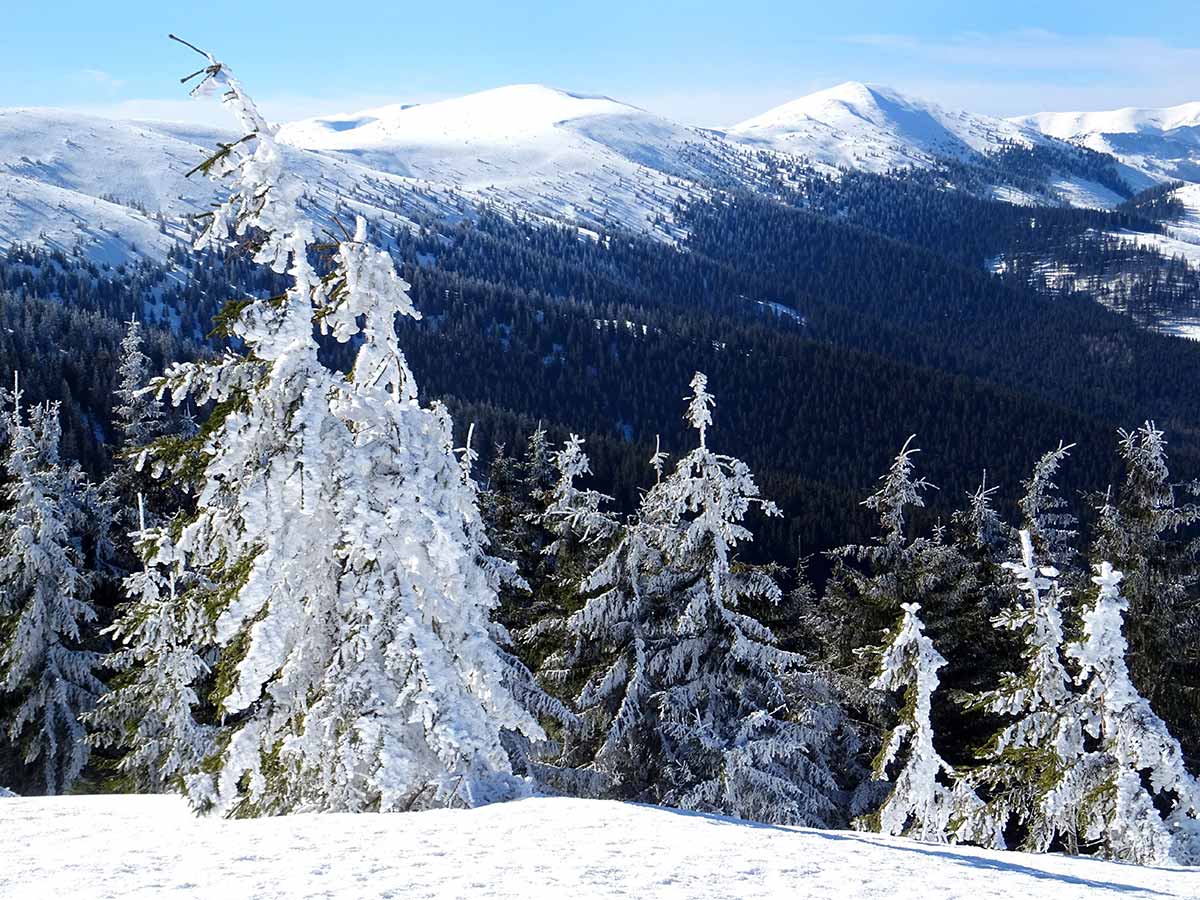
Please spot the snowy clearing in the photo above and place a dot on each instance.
(152, 847)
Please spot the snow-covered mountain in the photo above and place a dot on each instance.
(70, 180)
(867, 126)
(1156, 145)
(874, 128)
(117, 189)
(1163, 144)
(535, 148)
(143, 846)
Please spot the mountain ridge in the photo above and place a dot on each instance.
(117, 190)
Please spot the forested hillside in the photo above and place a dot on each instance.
(830, 342)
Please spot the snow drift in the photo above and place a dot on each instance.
(152, 847)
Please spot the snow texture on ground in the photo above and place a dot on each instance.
(140, 847)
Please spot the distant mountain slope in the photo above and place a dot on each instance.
(68, 180)
(1162, 144)
(875, 128)
(117, 189)
(536, 148)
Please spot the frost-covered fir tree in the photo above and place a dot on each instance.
(152, 714)
(689, 709)
(980, 527)
(526, 752)
(1044, 513)
(1146, 531)
(574, 532)
(47, 671)
(519, 489)
(138, 497)
(1041, 737)
(335, 546)
(1133, 796)
(926, 801)
(138, 415)
(871, 582)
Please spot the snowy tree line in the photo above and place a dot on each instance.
(323, 611)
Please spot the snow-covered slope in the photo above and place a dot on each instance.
(535, 148)
(866, 126)
(1183, 234)
(1129, 120)
(1162, 144)
(68, 180)
(150, 847)
(118, 189)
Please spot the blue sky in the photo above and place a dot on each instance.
(702, 62)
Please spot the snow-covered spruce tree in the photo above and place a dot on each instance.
(526, 752)
(513, 506)
(982, 540)
(152, 714)
(335, 547)
(1146, 532)
(1041, 738)
(138, 415)
(871, 582)
(927, 801)
(47, 672)
(1133, 797)
(1044, 513)
(580, 534)
(979, 528)
(690, 710)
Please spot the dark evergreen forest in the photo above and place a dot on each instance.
(833, 322)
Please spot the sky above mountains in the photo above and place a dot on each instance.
(704, 63)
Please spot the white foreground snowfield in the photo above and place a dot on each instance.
(152, 847)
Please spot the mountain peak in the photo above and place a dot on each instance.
(503, 113)
(874, 127)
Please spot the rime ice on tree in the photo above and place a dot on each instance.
(1136, 797)
(1042, 738)
(45, 598)
(335, 540)
(689, 707)
(920, 804)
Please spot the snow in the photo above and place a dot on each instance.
(587, 160)
(1183, 234)
(1154, 145)
(544, 150)
(1116, 121)
(872, 127)
(135, 847)
(70, 180)
(1083, 192)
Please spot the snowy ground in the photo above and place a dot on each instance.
(151, 847)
